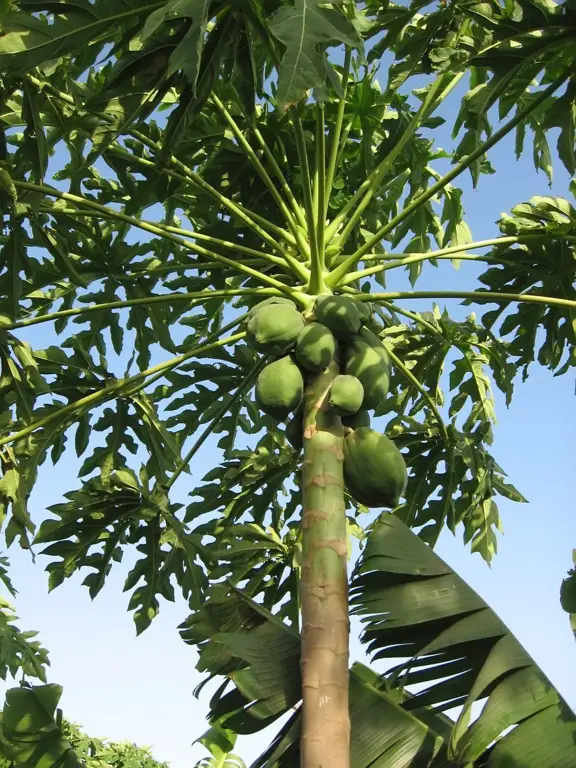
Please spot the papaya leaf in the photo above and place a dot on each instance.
(301, 29)
(453, 477)
(14, 496)
(19, 651)
(92, 529)
(545, 265)
(188, 53)
(28, 41)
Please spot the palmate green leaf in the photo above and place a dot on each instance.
(35, 147)
(84, 522)
(251, 537)
(156, 579)
(97, 753)
(94, 527)
(13, 263)
(5, 578)
(187, 549)
(453, 477)
(262, 561)
(563, 116)
(302, 30)
(19, 651)
(505, 48)
(398, 572)
(451, 483)
(408, 31)
(544, 265)
(117, 423)
(21, 382)
(211, 384)
(29, 41)
(469, 376)
(132, 90)
(248, 481)
(190, 103)
(457, 231)
(14, 494)
(188, 53)
(132, 422)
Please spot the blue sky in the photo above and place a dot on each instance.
(123, 687)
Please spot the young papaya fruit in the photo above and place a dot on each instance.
(274, 329)
(364, 311)
(272, 300)
(375, 342)
(279, 388)
(365, 362)
(340, 314)
(346, 395)
(374, 469)
(359, 419)
(315, 347)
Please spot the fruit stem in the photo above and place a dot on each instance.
(325, 740)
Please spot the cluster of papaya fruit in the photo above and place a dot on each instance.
(374, 470)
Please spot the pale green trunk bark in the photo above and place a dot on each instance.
(325, 741)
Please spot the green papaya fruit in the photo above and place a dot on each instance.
(375, 342)
(340, 314)
(365, 362)
(346, 395)
(274, 329)
(279, 388)
(374, 469)
(315, 347)
(359, 419)
(272, 300)
(364, 311)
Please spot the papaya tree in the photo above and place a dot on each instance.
(204, 206)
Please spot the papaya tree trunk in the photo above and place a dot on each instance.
(325, 740)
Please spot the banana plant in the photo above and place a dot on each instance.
(167, 168)
(219, 742)
(230, 761)
(456, 655)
